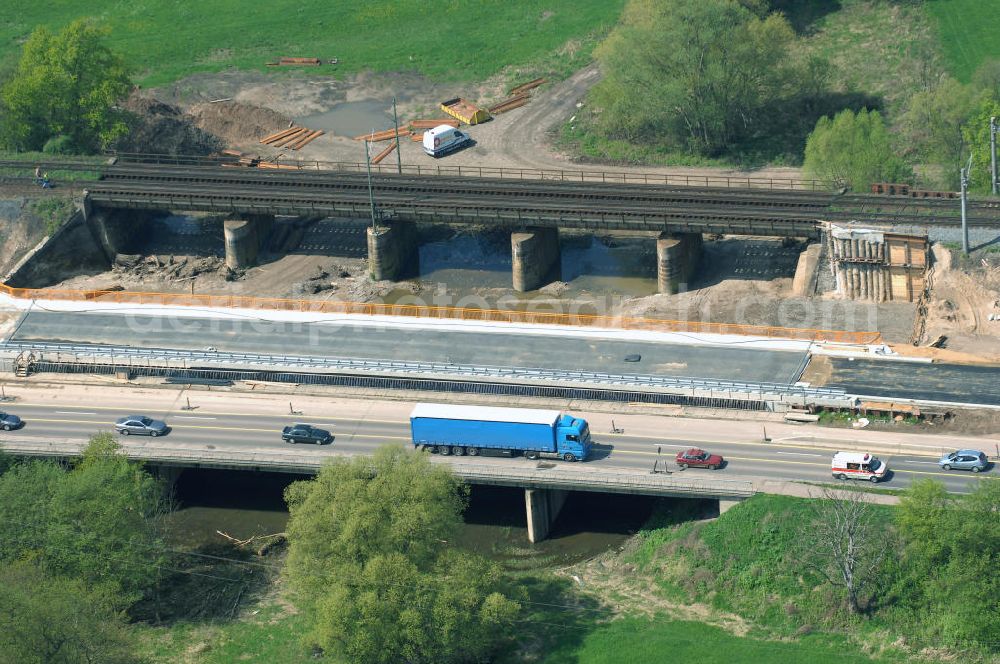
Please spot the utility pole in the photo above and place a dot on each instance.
(399, 159)
(993, 154)
(965, 198)
(371, 192)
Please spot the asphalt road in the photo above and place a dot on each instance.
(361, 426)
(500, 349)
(907, 380)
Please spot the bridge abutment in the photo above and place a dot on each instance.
(677, 256)
(725, 505)
(392, 247)
(113, 232)
(542, 507)
(244, 238)
(533, 255)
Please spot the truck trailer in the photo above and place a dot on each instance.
(474, 430)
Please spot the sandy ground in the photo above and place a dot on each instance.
(960, 306)
(516, 139)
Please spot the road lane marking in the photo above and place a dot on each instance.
(930, 463)
(191, 417)
(73, 412)
(799, 454)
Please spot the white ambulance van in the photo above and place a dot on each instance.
(858, 466)
(443, 139)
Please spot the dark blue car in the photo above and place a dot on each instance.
(10, 422)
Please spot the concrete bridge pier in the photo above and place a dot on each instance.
(533, 255)
(113, 230)
(677, 256)
(392, 249)
(542, 507)
(244, 237)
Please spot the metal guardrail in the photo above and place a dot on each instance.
(620, 177)
(127, 357)
(310, 463)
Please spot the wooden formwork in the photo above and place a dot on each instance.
(295, 135)
(385, 135)
(384, 153)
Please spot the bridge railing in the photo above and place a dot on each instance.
(542, 476)
(501, 172)
(440, 312)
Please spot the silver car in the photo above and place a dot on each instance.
(973, 460)
(140, 425)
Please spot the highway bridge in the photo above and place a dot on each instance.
(227, 430)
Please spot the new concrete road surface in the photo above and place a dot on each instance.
(413, 343)
(956, 383)
(253, 423)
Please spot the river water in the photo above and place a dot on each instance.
(244, 504)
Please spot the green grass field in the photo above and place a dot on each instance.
(444, 39)
(967, 30)
(641, 641)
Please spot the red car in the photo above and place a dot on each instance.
(699, 459)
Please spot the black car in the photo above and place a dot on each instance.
(9, 422)
(305, 433)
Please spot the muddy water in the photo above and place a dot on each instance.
(243, 504)
(351, 118)
(590, 265)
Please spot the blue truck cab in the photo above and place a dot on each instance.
(473, 430)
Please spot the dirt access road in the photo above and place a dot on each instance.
(517, 139)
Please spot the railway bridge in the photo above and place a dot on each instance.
(674, 216)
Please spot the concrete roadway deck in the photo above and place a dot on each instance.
(251, 422)
(956, 383)
(728, 360)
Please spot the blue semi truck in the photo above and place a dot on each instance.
(475, 430)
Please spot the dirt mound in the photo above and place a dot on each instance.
(237, 123)
(164, 129)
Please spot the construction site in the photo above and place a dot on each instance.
(846, 276)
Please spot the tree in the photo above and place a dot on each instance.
(54, 620)
(931, 128)
(854, 149)
(847, 545)
(976, 133)
(98, 522)
(691, 73)
(370, 567)
(66, 84)
(953, 545)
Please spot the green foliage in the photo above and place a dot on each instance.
(369, 564)
(854, 150)
(53, 620)
(931, 128)
(443, 39)
(696, 74)
(61, 144)
(976, 133)
(953, 545)
(65, 88)
(54, 212)
(97, 523)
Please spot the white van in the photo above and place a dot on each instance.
(858, 466)
(443, 139)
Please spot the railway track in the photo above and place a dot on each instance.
(528, 195)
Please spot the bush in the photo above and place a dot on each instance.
(61, 144)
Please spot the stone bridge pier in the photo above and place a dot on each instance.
(392, 250)
(244, 237)
(677, 256)
(534, 253)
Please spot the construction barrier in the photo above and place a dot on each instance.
(453, 313)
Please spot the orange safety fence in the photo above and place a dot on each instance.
(453, 313)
